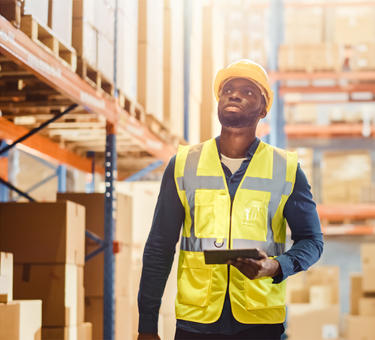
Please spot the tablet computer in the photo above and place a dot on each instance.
(222, 256)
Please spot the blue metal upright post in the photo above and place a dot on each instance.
(109, 227)
(187, 50)
(277, 132)
(110, 209)
(61, 178)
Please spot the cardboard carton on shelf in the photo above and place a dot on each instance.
(356, 292)
(311, 322)
(367, 306)
(60, 19)
(60, 287)
(360, 327)
(368, 267)
(51, 232)
(354, 25)
(6, 277)
(326, 276)
(320, 295)
(38, 9)
(94, 207)
(79, 332)
(368, 282)
(21, 320)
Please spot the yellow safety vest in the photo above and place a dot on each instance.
(254, 219)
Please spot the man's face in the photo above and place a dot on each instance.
(241, 104)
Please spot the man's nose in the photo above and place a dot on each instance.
(235, 96)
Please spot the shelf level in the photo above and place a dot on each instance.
(22, 50)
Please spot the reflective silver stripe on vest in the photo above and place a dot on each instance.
(277, 186)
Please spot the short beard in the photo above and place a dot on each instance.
(238, 121)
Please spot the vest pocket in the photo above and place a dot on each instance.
(194, 286)
(206, 204)
(262, 293)
(254, 220)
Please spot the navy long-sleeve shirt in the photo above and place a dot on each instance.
(299, 211)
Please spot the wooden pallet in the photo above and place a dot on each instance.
(47, 39)
(132, 107)
(92, 76)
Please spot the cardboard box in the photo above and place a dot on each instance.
(51, 232)
(304, 24)
(21, 320)
(356, 292)
(105, 57)
(367, 306)
(6, 277)
(123, 315)
(309, 57)
(94, 273)
(320, 295)
(38, 9)
(368, 281)
(80, 332)
(60, 19)
(128, 51)
(60, 287)
(311, 322)
(340, 185)
(354, 25)
(85, 41)
(299, 295)
(362, 58)
(325, 275)
(368, 254)
(94, 205)
(360, 327)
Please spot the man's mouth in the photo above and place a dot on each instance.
(232, 108)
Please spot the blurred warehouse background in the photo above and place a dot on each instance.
(95, 97)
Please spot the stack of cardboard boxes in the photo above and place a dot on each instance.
(47, 240)
(150, 56)
(313, 304)
(19, 320)
(94, 268)
(328, 38)
(360, 324)
(344, 175)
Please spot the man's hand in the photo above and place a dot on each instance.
(255, 269)
(148, 336)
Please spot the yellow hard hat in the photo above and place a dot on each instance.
(248, 69)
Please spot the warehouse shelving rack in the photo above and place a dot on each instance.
(26, 59)
(322, 138)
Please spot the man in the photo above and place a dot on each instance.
(232, 192)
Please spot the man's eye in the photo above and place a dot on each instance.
(249, 93)
(228, 91)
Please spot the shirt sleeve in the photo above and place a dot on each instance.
(159, 251)
(303, 220)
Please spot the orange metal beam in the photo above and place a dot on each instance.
(4, 168)
(364, 75)
(349, 229)
(334, 130)
(328, 4)
(45, 147)
(327, 89)
(340, 212)
(22, 50)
